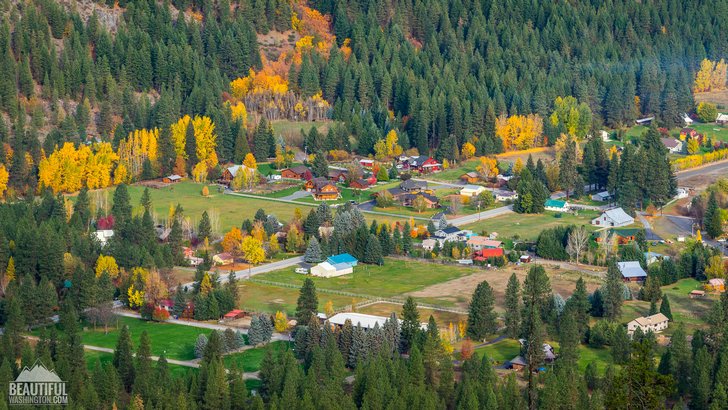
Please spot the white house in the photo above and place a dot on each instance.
(503, 195)
(604, 135)
(428, 244)
(103, 235)
(721, 119)
(604, 196)
(673, 145)
(327, 270)
(449, 234)
(681, 193)
(687, 120)
(556, 205)
(472, 190)
(655, 323)
(362, 320)
(614, 218)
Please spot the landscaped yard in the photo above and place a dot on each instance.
(502, 351)
(394, 278)
(528, 226)
(250, 360)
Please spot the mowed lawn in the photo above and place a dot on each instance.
(250, 360)
(528, 226)
(175, 341)
(394, 278)
(92, 357)
(258, 297)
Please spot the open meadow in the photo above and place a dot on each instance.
(528, 226)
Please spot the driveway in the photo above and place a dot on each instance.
(491, 213)
(296, 195)
(650, 235)
(268, 267)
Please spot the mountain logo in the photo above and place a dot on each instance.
(37, 386)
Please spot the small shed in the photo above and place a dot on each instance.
(171, 179)
(518, 363)
(223, 259)
(525, 259)
(632, 271)
(234, 314)
(715, 285)
(694, 294)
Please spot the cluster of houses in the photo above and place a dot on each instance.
(409, 190)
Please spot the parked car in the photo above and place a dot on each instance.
(302, 271)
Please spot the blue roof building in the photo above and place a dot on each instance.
(343, 258)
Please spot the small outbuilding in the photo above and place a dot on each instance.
(603, 196)
(470, 177)
(171, 179)
(556, 205)
(715, 285)
(223, 259)
(613, 217)
(632, 271)
(695, 294)
(472, 190)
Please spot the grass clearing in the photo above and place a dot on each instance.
(443, 319)
(176, 341)
(395, 277)
(250, 360)
(500, 352)
(258, 297)
(529, 226)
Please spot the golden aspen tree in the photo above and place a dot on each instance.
(179, 135)
(487, 167)
(4, 177)
(252, 250)
(107, 264)
(467, 150)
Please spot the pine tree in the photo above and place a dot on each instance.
(373, 252)
(410, 325)
(567, 168)
(204, 229)
(200, 345)
(481, 317)
(712, 221)
(121, 208)
(190, 147)
(313, 251)
(578, 302)
(123, 359)
(307, 304)
(320, 166)
(612, 292)
(665, 307)
(513, 307)
(406, 239)
(180, 302)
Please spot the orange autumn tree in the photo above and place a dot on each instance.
(520, 131)
(4, 177)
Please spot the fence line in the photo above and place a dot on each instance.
(368, 298)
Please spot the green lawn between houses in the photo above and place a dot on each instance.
(529, 226)
(258, 297)
(394, 278)
(250, 360)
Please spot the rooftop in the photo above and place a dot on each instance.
(631, 269)
(618, 216)
(358, 319)
(555, 203)
(651, 320)
(341, 258)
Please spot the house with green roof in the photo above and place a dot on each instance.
(556, 205)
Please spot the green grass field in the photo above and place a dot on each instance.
(249, 360)
(454, 172)
(395, 277)
(500, 352)
(92, 357)
(257, 297)
(529, 226)
(176, 341)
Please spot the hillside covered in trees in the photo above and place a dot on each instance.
(438, 72)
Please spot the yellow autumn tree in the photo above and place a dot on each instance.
(280, 322)
(518, 166)
(232, 240)
(205, 284)
(107, 264)
(467, 150)
(329, 308)
(252, 250)
(520, 131)
(206, 140)
(250, 161)
(4, 177)
(693, 146)
(711, 76)
(239, 112)
(178, 131)
(561, 144)
(140, 146)
(487, 167)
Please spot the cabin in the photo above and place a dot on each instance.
(715, 285)
(470, 177)
(299, 172)
(165, 304)
(360, 184)
(422, 164)
(695, 294)
(674, 146)
(234, 314)
(449, 234)
(652, 257)
(613, 217)
(366, 162)
(230, 172)
(171, 179)
(518, 363)
(603, 196)
(472, 190)
(477, 243)
(556, 205)
(223, 259)
(323, 189)
(632, 271)
(337, 174)
(655, 324)
(525, 259)
(644, 121)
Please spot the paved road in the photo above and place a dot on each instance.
(268, 267)
(720, 167)
(296, 195)
(447, 184)
(491, 213)
(650, 235)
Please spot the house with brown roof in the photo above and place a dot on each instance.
(673, 145)
(300, 172)
(338, 174)
(409, 199)
(477, 243)
(655, 323)
(323, 189)
(715, 285)
(470, 177)
(360, 184)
